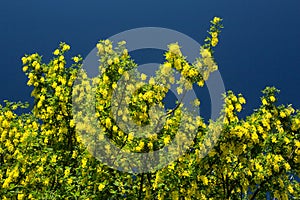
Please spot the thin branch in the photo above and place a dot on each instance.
(141, 186)
(170, 112)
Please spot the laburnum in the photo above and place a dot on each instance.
(44, 156)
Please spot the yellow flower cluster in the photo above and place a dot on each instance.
(233, 104)
(43, 156)
(215, 30)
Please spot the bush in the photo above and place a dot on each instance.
(50, 153)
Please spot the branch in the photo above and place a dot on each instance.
(141, 187)
(170, 112)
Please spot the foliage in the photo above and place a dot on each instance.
(42, 156)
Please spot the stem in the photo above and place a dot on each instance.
(171, 112)
(141, 186)
(121, 147)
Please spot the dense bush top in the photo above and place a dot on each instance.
(42, 156)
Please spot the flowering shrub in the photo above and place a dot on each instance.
(42, 156)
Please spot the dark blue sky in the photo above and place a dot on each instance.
(259, 45)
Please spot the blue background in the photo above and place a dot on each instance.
(259, 46)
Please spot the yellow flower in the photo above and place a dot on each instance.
(101, 186)
(178, 64)
(107, 49)
(287, 166)
(53, 159)
(40, 169)
(9, 114)
(214, 41)
(56, 52)
(204, 180)
(25, 68)
(214, 34)
(151, 81)
(278, 158)
(205, 53)
(114, 85)
(21, 196)
(126, 76)
(167, 139)
(216, 20)
(66, 47)
(238, 107)
(138, 148)
(242, 100)
(46, 182)
(74, 154)
(100, 48)
(130, 137)
(143, 76)
(105, 78)
(274, 140)
(188, 85)
(70, 181)
(54, 84)
(125, 52)
(108, 122)
(120, 71)
(230, 107)
(272, 99)
(276, 167)
(116, 60)
(290, 188)
(254, 137)
(84, 161)
(24, 60)
(200, 83)
(258, 167)
(6, 182)
(109, 62)
(72, 123)
(175, 49)
(106, 42)
(166, 68)
(172, 79)
(286, 140)
(124, 118)
(196, 102)
(179, 90)
(115, 128)
(192, 72)
(249, 173)
(264, 102)
(76, 59)
(185, 173)
(61, 58)
(150, 145)
(67, 172)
